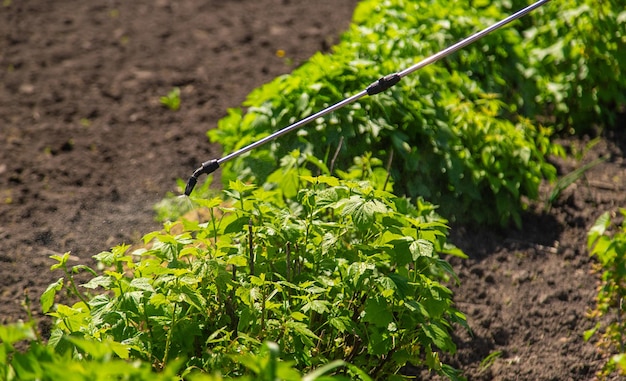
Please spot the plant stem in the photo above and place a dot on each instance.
(620, 325)
(168, 340)
(214, 229)
(388, 168)
(263, 296)
(250, 247)
(332, 162)
(288, 260)
(75, 289)
(147, 319)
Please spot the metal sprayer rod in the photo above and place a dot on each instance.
(471, 39)
(292, 127)
(380, 85)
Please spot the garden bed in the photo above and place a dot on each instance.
(87, 150)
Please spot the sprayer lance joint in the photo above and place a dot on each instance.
(207, 167)
(383, 84)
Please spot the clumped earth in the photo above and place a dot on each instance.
(87, 150)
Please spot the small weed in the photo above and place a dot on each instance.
(488, 361)
(567, 180)
(172, 99)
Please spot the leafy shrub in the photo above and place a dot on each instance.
(576, 63)
(328, 269)
(610, 251)
(92, 360)
(455, 141)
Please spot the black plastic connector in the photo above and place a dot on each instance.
(383, 84)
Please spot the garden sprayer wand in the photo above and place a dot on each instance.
(378, 86)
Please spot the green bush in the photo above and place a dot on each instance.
(83, 360)
(328, 269)
(607, 243)
(456, 138)
(574, 64)
(80, 359)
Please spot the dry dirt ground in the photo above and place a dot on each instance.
(86, 150)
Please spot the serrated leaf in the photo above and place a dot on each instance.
(450, 249)
(143, 284)
(422, 247)
(240, 187)
(362, 211)
(305, 333)
(323, 179)
(99, 281)
(319, 306)
(341, 323)
(159, 300)
(194, 298)
(402, 251)
(210, 203)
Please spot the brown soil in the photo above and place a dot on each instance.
(87, 150)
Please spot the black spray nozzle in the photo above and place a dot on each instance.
(206, 168)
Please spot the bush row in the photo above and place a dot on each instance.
(320, 274)
(463, 133)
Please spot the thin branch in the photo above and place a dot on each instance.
(332, 162)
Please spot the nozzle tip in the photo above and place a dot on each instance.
(191, 183)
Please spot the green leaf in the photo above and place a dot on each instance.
(144, 284)
(238, 260)
(240, 187)
(14, 332)
(403, 249)
(327, 368)
(99, 281)
(158, 300)
(47, 298)
(378, 312)
(211, 203)
(598, 229)
(299, 316)
(341, 323)
(304, 332)
(439, 336)
(328, 180)
(450, 249)
(422, 247)
(237, 226)
(362, 211)
(319, 306)
(61, 259)
(590, 332)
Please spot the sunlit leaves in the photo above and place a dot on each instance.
(47, 298)
(451, 133)
(339, 271)
(607, 243)
(361, 210)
